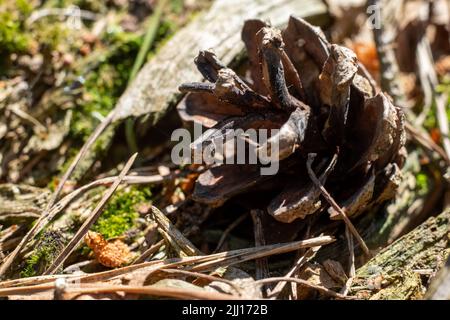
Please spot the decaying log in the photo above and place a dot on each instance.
(155, 88)
(396, 271)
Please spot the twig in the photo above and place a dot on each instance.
(262, 265)
(441, 101)
(423, 138)
(306, 284)
(429, 80)
(69, 12)
(146, 290)
(174, 234)
(333, 203)
(92, 138)
(60, 289)
(205, 276)
(294, 292)
(237, 256)
(228, 230)
(300, 262)
(8, 232)
(9, 245)
(45, 218)
(197, 263)
(352, 271)
(147, 253)
(76, 266)
(25, 116)
(47, 214)
(92, 218)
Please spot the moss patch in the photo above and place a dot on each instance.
(12, 36)
(121, 212)
(46, 251)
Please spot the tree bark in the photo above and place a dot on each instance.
(396, 271)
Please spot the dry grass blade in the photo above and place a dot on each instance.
(46, 217)
(27, 117)
(300, 262)
(429, 80)
(47, 214)
(195, 263)
(228, 230)
(262, 265)
(238, 256)
(441, 100)
(173, 234)
(144, 290)
(8, 232)
(335, 206)
(305, 283)
(91, 220)
(352, 271)
(147, 253)
(159, 291)
(204, 276)
(92, 138)
(423, 138)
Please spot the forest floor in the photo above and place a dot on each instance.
(86, 85)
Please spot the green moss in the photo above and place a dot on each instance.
(106, 78)
(101, 89)
(13, 39)
(51, 35)
(91, 5)
(431, 120)
(444, 87)
(24, 7)
(166, 30)
(177, 6)
(51, 242)
(120, 214)
(103, 84)
(422, 184)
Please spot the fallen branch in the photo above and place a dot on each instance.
(392, 273)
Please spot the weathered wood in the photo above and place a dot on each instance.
(440, 286)
(155, 88)
(395, 272)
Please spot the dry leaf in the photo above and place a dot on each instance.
(110, 254)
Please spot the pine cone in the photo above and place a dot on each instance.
(323, 101)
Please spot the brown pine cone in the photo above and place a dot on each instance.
(323, 101)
